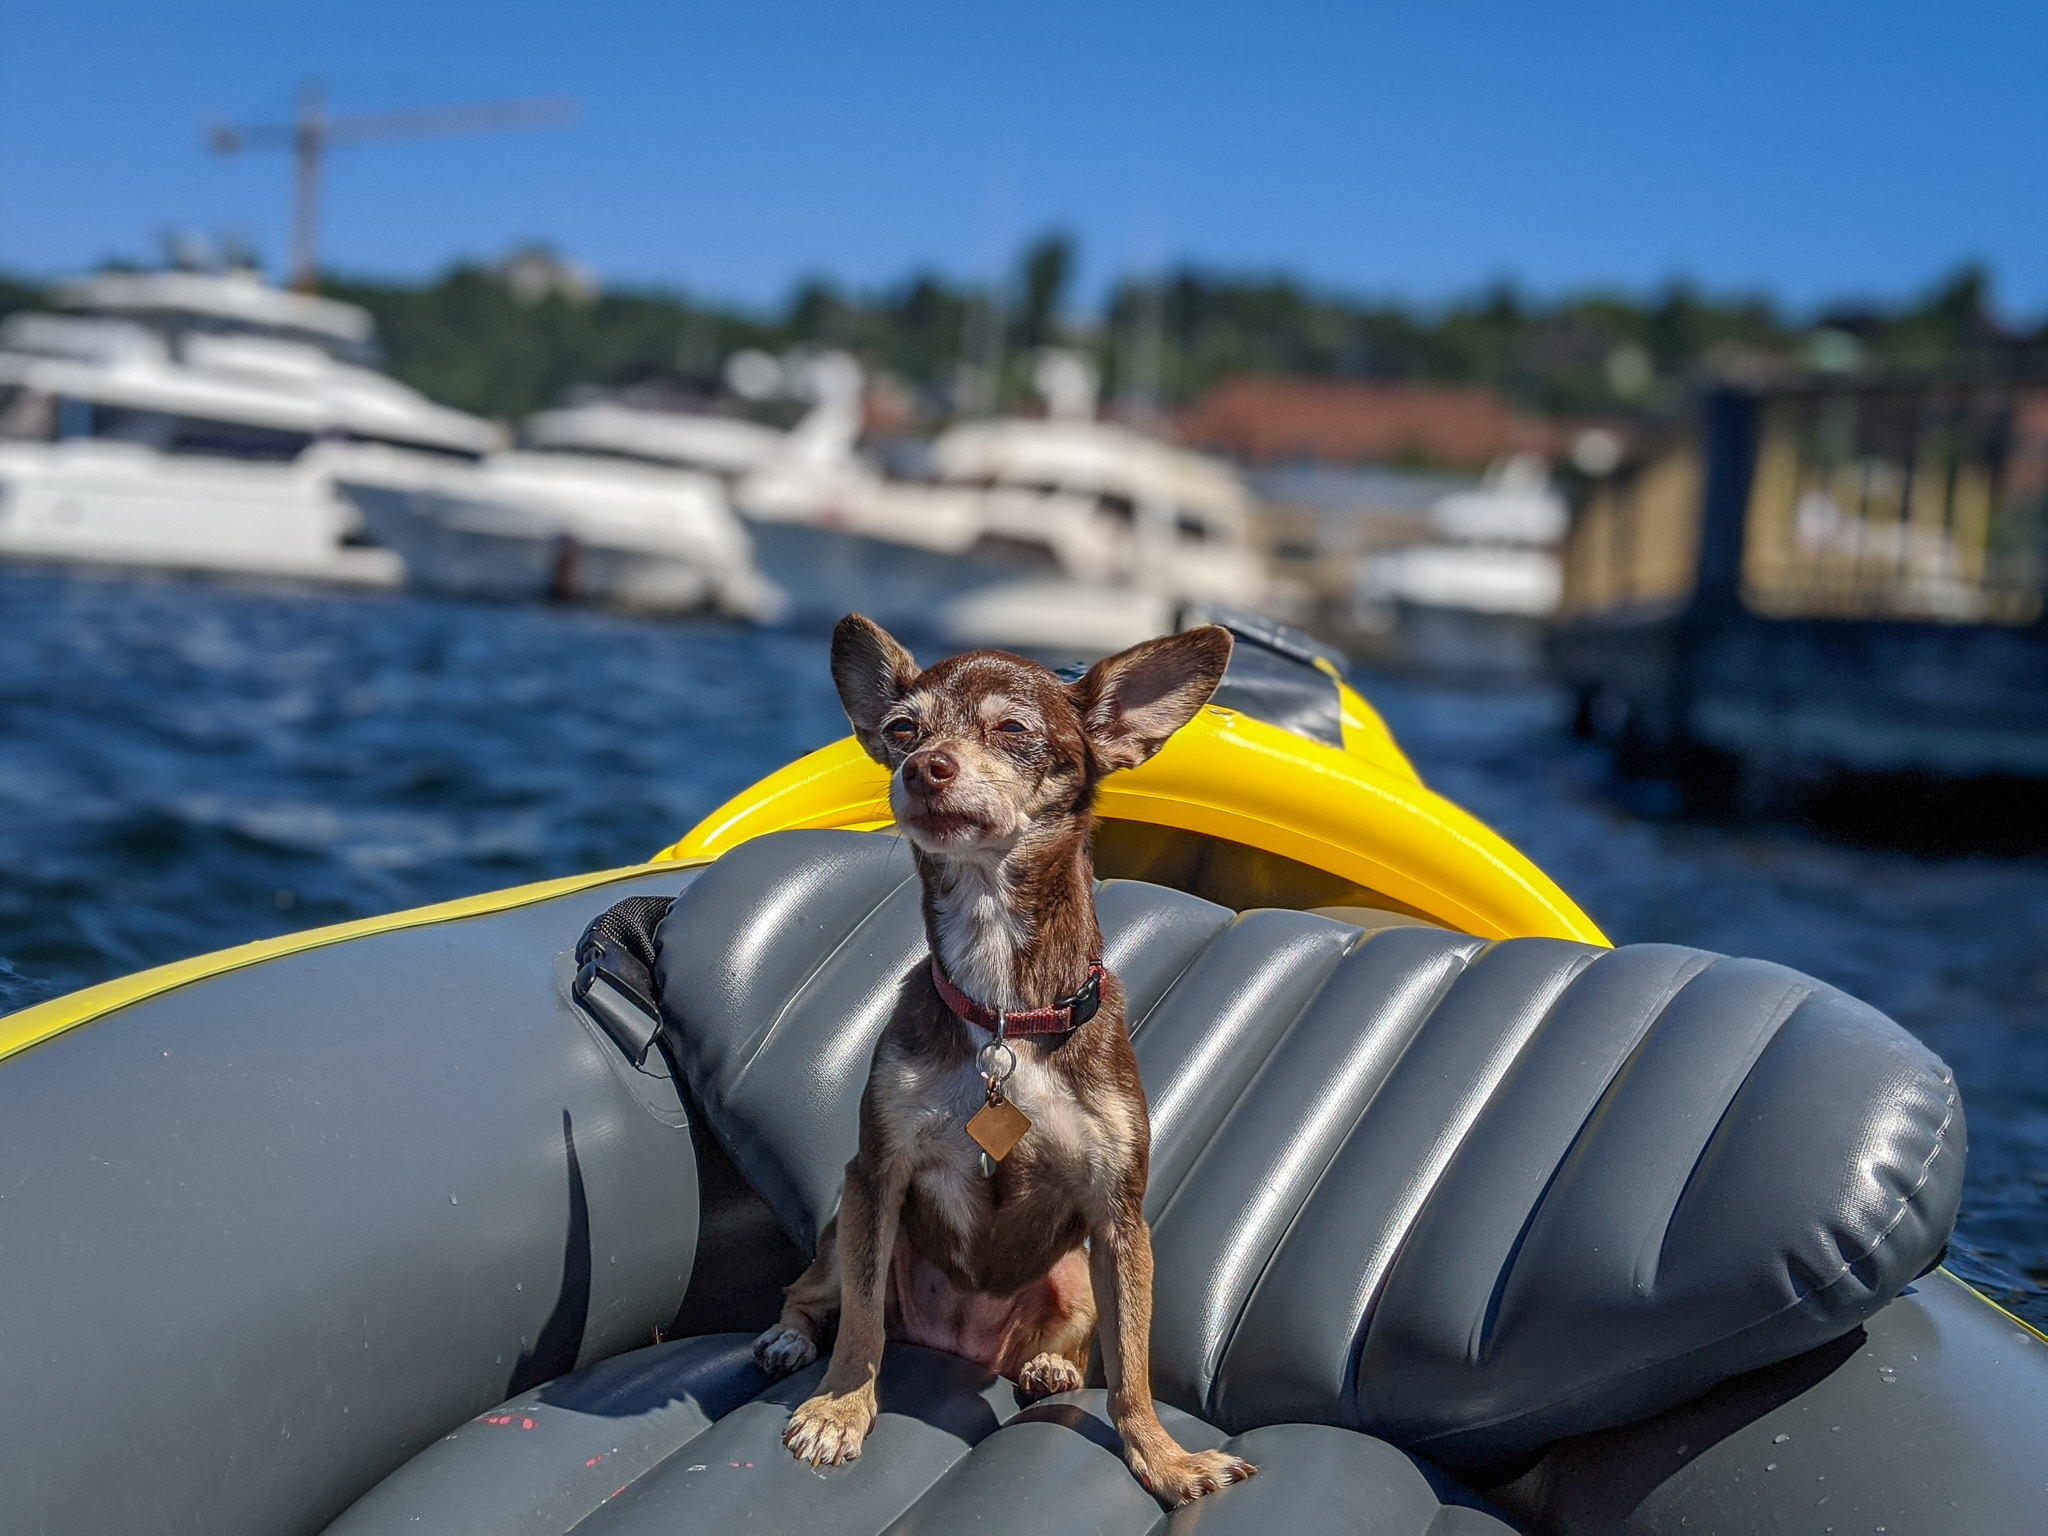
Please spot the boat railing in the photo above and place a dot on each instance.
(1926, 501)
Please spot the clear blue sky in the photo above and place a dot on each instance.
(1415, 150)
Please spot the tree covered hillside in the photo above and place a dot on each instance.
(468, 340)
(477, 340)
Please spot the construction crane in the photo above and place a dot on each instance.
(314, 133)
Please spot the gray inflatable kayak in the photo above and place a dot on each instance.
(463, 1221)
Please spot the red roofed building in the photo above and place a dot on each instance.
(1270, 420)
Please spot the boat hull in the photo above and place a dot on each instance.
(468, 547)
(1056, 619)
(96, 503)
(829, 572)
(1466, 644)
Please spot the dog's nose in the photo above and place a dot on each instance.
(933, 767)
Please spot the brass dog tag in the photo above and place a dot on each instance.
(998, 1126)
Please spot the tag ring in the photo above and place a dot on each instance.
(985, 1060)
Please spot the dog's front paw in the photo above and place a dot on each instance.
(1045, 1374)
(828, 1430)
(782, 1351)
(1181, 1478)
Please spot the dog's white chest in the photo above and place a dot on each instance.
(946, 1171)
(950, 1173)
(1059, 1129)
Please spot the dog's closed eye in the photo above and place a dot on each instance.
(1015, 727)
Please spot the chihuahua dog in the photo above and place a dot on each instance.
(995, 1208)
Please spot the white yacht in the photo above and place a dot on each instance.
(828, 531)
(564, 525)
(1060, 533)
(602, 501)
(195, 420)
(1135, 527)
(725, 446)
(1476, 597)
(838, 535)
(1056, 534)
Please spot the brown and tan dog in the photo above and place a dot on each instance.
(1011, 1260)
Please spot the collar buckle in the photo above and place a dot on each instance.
(1062, 1018)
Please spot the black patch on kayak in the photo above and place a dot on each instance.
(1294, 695)
(744, 1257)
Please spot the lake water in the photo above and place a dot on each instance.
(186, 765)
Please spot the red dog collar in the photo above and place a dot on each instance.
(1063, 1017)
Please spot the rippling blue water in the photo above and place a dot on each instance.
(186, 765)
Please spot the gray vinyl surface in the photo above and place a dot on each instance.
(1928, 1419)
(1467, 1196)
(265, 1236)
(685, 1439)
(1932, 1417)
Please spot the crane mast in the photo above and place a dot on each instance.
(313, 132)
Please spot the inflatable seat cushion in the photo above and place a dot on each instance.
(682, 1438)
(1466, 1196)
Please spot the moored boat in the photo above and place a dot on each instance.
(1128, 528)
(195, 421)
(1474, 600)
(532, 525)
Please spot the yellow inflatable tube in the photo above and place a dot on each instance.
(1360, 815)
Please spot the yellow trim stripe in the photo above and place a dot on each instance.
(30, 1026)
(2009, 1316)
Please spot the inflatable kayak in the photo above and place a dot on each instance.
(463, 1219)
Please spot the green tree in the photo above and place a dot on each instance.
(1048, 267)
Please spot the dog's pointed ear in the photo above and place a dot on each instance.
(1132, 701)
(872, 672)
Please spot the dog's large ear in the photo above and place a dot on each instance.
(1132, 701)
(872, 672)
